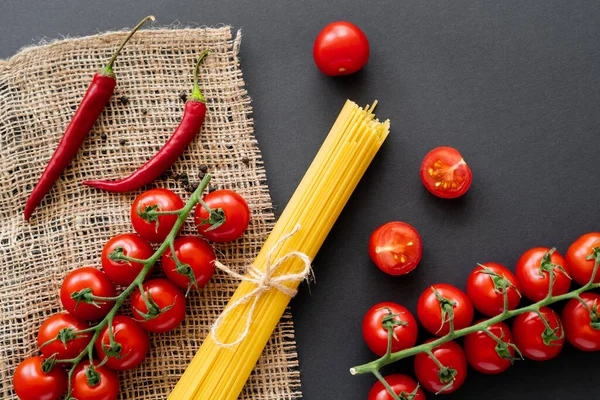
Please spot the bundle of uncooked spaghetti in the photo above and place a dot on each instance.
(224, 361)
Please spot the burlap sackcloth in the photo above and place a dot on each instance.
(40, 88)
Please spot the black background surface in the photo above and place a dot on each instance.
(512, 84)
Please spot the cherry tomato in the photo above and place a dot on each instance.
(486, 286)
(167, 299)
(160, 200)
(445, 173)
(580, 267)
(228, 219)
(66, 328)
(533, 273)
(451, 356)
(341, 49)
(31, 383)
(581, 330)
(404, 386)
(396, 248)
(131, 344)
(197, 260)
(429, 309)
(103, 383)
(532, 337)
(376, 335)
(81, 280)
(485, 354)
(125, 272)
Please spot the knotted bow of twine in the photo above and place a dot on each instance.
(264, 281)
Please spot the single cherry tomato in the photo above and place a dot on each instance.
(580, 267)
(485, 354)
(395, 248)
(130, 347)
(159, 226)
(97, 383)
(31, 382)
(404, 386)
(441, 302)
(131, 245)
(228, 218)
(196, 262)
(486, 286)
(534, 339)
(70, 343)
(341, 49)
(78, 288)
(445, 173)
(582, 328)
(393, 315)
(167, 306)
(533, 273)
(452, 357)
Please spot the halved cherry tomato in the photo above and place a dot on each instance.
(438, 303)
(404, 386)
(157, 199)
(70, 341)
(197, 262)
(131, 344)
(533, 273)
(486, 286)
(534, 339)
(125, 272)
(83, 283)
(485, 354)
(98, 383)
(445, 173)
(452, 357)
(32, 383)
(581, 330)
(168, 309)
(228, 219)
(393, 315)
(580, 267)
(341, 49)
(395, 248)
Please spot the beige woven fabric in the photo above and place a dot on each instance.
(40, 88)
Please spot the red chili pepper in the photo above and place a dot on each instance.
(90, 108)
(193, 117)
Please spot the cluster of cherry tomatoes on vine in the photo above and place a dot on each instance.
(91, 353)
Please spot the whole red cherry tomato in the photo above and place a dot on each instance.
(485, 354)
(580, 267)
(392, 315)
(159, 227)
(486, 286)
(82, 283)
(395, 248)
(341, 49)
(98, 383)
(533, 273)
(197, 262)
(452, 357)
(168, 309)
(132, 245)
(404, 386)
(439, 303)
(70, 341)
(534, 339)
(228, 219)
(130, 347)
(32, 383)
(581, 330)
(445, 173)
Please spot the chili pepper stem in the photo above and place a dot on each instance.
(108, 69)
(196, 94)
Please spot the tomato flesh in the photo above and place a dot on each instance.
(341, 49)
(396, 248)
(445, 173)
